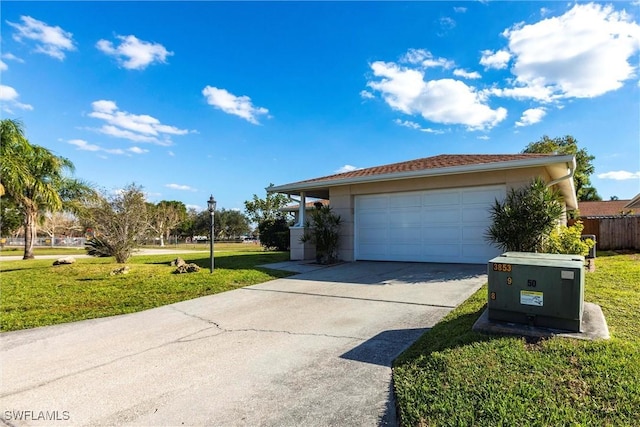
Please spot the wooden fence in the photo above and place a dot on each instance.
(612, 233)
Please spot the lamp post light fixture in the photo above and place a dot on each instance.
(211, 204)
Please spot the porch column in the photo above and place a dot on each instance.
(301, 210)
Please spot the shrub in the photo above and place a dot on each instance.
(526, 216)
(98, 248)
(567, 240)
(274, 234)
(325, 233)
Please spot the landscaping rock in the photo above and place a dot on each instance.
(178, 262)
(187, 268)
(121, 270)
(64, 261)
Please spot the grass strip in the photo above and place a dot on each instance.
(455, 377)
(36, 293)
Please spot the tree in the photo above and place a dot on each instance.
(165, 216)
(120, 220)
(584, 162)
(258, 210)
(274, 234)
(11, 218)
(525, 218)
(35, 179)
(230, 224)
(54, 223)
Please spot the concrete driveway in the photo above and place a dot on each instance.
(313, 349)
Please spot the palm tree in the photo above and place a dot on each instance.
(34, 178)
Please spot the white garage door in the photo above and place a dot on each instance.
(432, 226)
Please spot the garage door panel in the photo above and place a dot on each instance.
(442, 250)
(405, 234)
(374, 252)
(373, 219)
(481, 196)
(441, 215)
(477, 233)
(441, 198)
(430, 225)
(476, 214)
(405, 200)
(405, 252)
(432, 235)
(405, 217)
(479, 252)
(373, 202)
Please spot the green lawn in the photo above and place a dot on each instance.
(455, 377)
(19, 251)
(35, 293)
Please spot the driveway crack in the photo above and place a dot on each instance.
(269, 331)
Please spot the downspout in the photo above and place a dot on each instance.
(572, 169)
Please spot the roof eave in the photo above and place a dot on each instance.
(453, 170)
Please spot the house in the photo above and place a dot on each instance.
(634, 204)
(434, 209)
(609, 208)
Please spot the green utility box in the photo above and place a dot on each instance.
(537, 289)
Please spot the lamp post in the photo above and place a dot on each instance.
(211, 203)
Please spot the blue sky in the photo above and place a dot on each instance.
(193, 98)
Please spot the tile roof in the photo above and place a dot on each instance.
(435, 162)
(603, 208)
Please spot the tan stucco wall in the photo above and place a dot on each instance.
(342, 197)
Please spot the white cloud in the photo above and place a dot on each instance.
(544, 11)
(196, 207)
(583, 53)
(240, 106)
(180, 187)
(444, 101)
(413, 125)
(531, 116)
(3, 66)
(171, 153)
(12, 57)
(447, 23)
(137, 150)
(460, 9)
(84, 145)
(619, 175)
(407, 124)
(484, 137)
(347, 168)
(466, 74)
(425, 59)
(133, 53)
(430, 130)
(9, 97)
(52, 41)
(135, 127)
(366, 94)
(497, 60)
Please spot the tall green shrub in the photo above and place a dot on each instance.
(523, 220)
(274, 234)
(325, 233)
